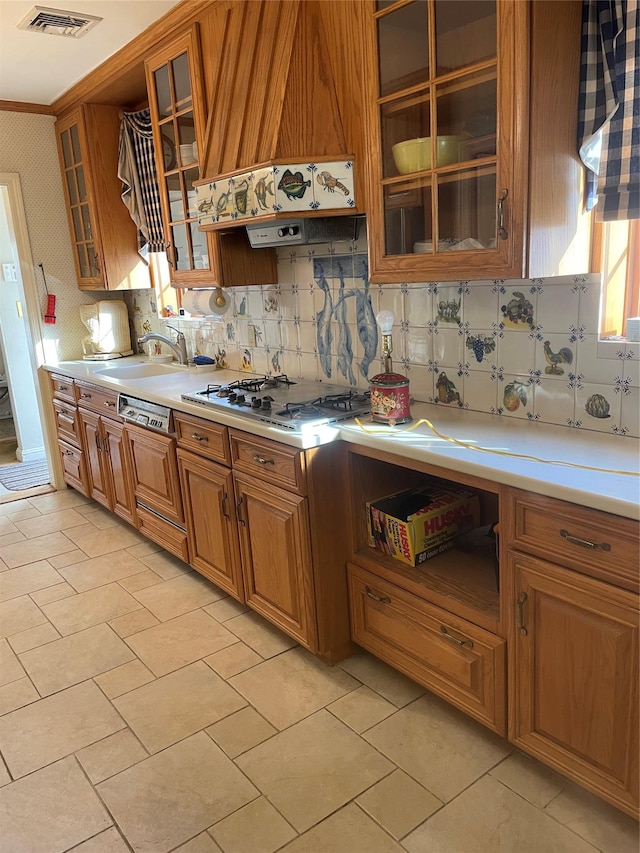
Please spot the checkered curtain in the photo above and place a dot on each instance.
(137, 171)
(609, 107)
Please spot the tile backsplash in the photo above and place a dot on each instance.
(524, 349)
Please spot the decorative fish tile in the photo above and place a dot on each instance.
(293, 187)
(206, 200)
(263, 194)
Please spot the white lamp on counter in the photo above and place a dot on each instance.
(389, 391)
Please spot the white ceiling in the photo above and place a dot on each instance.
(38, 68)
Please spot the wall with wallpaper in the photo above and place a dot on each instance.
(28, 148)
(525, 349)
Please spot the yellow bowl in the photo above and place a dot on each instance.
(414, 155)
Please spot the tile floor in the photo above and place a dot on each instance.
(142, 709)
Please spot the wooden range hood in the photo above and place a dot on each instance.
(283, 89)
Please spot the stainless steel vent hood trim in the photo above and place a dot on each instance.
(302, 232)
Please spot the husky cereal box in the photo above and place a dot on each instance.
(418, 524)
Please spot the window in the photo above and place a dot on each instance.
(620, 265)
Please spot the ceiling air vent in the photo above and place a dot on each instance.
(58, 22)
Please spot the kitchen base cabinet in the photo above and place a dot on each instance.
(439, 623)
(276, 557)
(156, 486)
(74, 469)
(574, 677)
(212, 530)
(455, 659)
(106, 450)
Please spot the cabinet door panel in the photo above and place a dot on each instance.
(154, 472)
(211, 523)
(116, 450)
(276, 557)
(73, 467)
(574, 674)
(92, 442)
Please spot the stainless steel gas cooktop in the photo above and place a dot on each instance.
(298, 406)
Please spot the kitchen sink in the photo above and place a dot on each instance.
(140, 370)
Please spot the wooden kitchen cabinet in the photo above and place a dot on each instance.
(103, 235)
(74, 468)
(573, 642)
(276, 556)
(440, 623)
(156, 486)
(177, 103)
(204, 463)
(574, 677)
(106, 450)
(465, 179)
(275, 542)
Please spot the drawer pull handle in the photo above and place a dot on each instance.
(98, 445)
(584, 543)
(85, 396)
(384, 599)
(520, 613)
(109, 404)
(68, 452)
(63, 387)
(196, 437)
(261, 460)
(445, 633)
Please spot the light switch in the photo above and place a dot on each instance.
(19, 308)
(9, 272)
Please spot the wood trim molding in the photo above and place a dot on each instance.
(24, 107)
(90, 87)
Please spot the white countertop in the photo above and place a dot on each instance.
(591, 483)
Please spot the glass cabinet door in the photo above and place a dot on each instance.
(437, 106)
(178, 120)
(72, 147)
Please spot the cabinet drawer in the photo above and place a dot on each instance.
(66, 417)
(74, 469)
(171, 537)
(276, 463)
(595, 543)
(203, 437)
(459, 661)
(97, 399)
(63, 387)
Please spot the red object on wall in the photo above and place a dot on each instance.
(50, 316)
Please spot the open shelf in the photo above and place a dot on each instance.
(464, 580)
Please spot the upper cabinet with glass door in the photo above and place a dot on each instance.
(444, 154)
(103, 235)
(176, 100)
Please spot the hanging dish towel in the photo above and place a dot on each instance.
(137, 171)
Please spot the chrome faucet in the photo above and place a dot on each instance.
(179, 347)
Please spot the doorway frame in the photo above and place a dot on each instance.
(31, 309)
